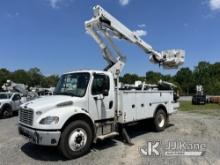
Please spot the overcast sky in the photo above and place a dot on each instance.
(50, 34)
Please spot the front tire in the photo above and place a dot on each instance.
(7, 112)
(160, 120)
(75, 140)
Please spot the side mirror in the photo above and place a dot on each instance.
(105, 92)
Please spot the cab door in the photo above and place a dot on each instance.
(101, 100)
(16, 101)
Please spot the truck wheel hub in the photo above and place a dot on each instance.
(77, 139)
(161, 120)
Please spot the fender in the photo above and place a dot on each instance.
(160, 106)
(81, 116)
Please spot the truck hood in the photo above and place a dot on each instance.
(47, 102)
(2, 101)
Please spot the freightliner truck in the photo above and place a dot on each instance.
(88, 105)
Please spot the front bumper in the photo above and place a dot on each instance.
(40, 137)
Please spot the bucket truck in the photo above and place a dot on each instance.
(88, 105)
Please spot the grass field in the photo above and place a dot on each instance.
(212, 109)
(188, 106)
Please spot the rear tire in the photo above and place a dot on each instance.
(7, 112)
(75, 140)
(160, 120)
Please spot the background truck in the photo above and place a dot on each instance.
(9, 103)
(199, 97)
(15, 94)
(88, 105)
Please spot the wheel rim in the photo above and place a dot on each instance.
(77, 139)
(6, 113)
(161, 120)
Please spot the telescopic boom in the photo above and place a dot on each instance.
(104, 25)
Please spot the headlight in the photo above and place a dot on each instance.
(49, 120)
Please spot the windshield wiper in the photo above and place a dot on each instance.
(64, 93)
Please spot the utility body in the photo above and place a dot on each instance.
(89, 105)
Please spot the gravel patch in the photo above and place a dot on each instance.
(184, 126)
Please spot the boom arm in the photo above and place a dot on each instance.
(12, 86)
(104, 25)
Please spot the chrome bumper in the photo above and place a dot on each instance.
(39, 137)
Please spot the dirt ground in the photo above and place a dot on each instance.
(184, 126)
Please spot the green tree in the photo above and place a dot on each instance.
(212, 83)
(4, 76)
(50, 81)
(129, 78)
(20, 76)
(184, 77)
(36, 77)
(153, 77)
(202, 73)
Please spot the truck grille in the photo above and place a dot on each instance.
(26, 116)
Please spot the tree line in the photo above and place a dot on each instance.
(33, 77)
(186, 79)
(204, 73)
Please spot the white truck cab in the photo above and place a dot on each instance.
(9, 102)
(88, 105)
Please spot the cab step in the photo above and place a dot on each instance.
(110, 135)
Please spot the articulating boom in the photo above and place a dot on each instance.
(104, 25)
(14, 87)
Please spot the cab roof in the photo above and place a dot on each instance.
(88, 70)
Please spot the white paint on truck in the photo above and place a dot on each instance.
(137, 105)
(9, 102)
(89, 96)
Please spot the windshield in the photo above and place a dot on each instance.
(74, 84)
(4, 96)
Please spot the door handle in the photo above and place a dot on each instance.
(110, 104)
(98, 97)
